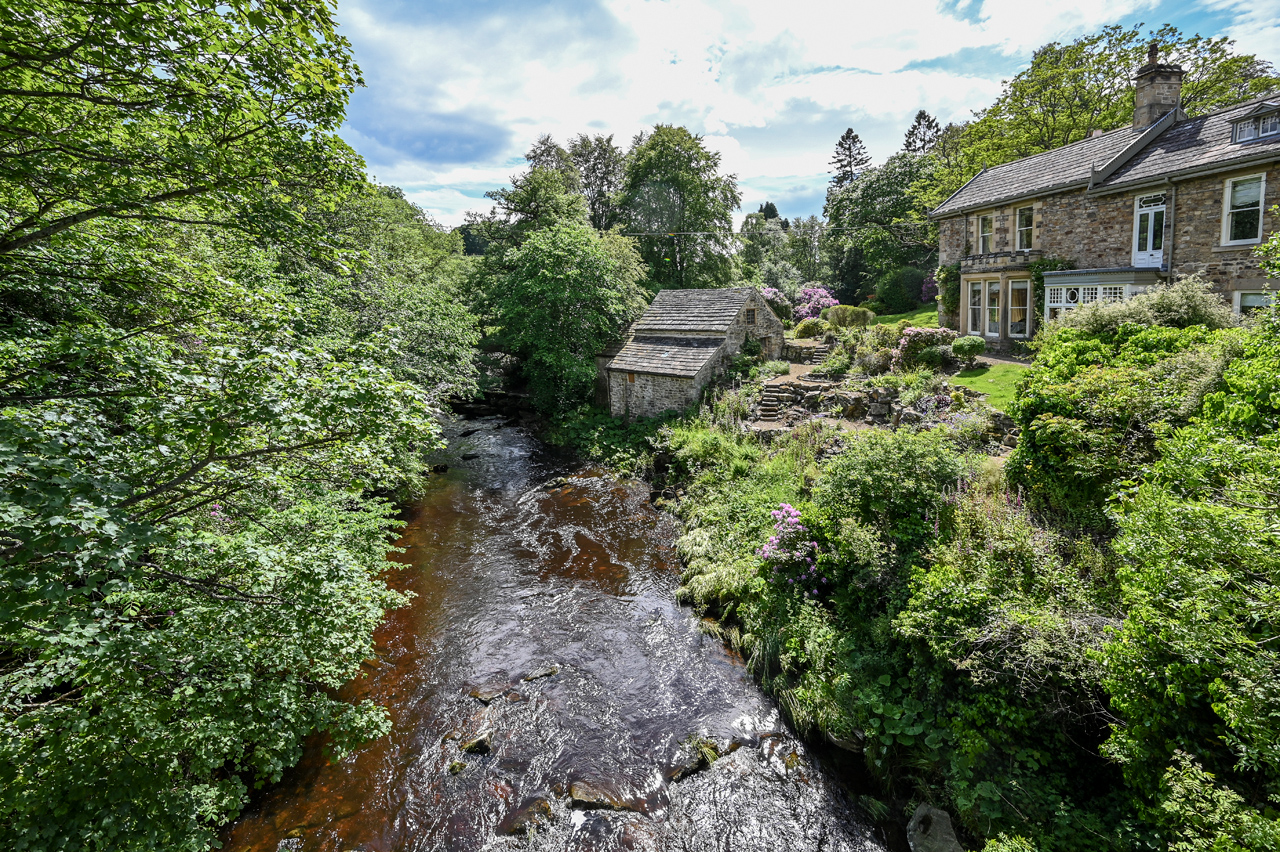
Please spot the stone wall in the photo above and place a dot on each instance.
(768, 329)
(649, 395)
(1197, 224)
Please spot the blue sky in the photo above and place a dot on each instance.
(456, 91)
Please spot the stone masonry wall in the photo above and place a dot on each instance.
(649, 395)
(1197, 222)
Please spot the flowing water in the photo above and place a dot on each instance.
(544, 625)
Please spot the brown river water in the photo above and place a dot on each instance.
(545, 617)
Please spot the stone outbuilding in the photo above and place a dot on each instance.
(680, 343)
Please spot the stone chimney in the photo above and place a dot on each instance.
(1156, 90)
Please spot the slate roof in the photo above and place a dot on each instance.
(666, 356)
(1062, 167)
(1195, 144)
(693, 310)
(1189, 145)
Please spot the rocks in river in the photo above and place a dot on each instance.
(479, 744)
(697, 754)
(439, 468)
(470, 456)
(533, 813)
(456, 767)
(553, 484)
(930, 831)
(541, 672)
(590, 795)
(468, 433)
(485, 693)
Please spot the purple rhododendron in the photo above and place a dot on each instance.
(812, 300)
(929, 289)
(789, 555)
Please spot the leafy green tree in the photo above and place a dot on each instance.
(191, 563)
(568, 291)
(672, 186)
(850, 159)
(600, 165)
(546, 153)
(877, 215)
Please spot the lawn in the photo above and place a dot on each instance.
(925, 316)
(996, 381)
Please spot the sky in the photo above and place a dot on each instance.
(457, 90)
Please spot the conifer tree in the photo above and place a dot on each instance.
(922, 135)
(851, 157)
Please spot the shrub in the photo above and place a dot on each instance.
(877, 307)
(811, 328)
(775, 368)
(929, 289)
(835, 364)
(899, 290)
(969, 348)
(848, 316)
(948, 283)
(752, 347)
(913, 343)
(895, 481)
(812, 300)
(1186, 302)
(873, 362)
(778, 301)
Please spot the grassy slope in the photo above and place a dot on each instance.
(925, 316)
(997, 381)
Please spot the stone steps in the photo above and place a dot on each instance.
(820, 353)
(772, 403)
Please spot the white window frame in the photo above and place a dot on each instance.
(1226, 209)
(986, 238)
(1269, 125)
(978, 287)
(1243, 131)
(1024, 286)
(987, 307)
(1029, 230)
(1150, 258)
(1236, 297)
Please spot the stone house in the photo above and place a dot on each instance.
(1167, 196)
(680, 343)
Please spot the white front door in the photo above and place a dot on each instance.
(1148, 231)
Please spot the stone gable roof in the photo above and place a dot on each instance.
(693, 310)
(1186, 146)
(666, 356)
(1196, 144)
(1070, 165)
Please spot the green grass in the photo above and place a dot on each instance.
(925, 316)
(996, 381)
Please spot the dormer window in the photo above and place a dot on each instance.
(1264, 121)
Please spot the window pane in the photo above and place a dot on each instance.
(1018, 294)
(1254, 300)
(1245, 130)
(1246, 193)
(993, 307)
(1157, 230)
(1144, 222)
(1024, 217)
(1244, 225)
(1270, 124)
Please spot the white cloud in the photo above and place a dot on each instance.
(452, 104)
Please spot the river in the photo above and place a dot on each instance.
(545, 638)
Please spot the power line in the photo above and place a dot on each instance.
(791, 230)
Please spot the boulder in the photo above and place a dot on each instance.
(456, 767)
(878, 410)
(588, 795)
(487, 692)
(480, 744)
(930, 831)
(533, 813)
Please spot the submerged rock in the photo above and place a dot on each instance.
(456, 767)
(589, 795)
(930, 831)
(481, 744)
(489, 691)
(532, 814)
(544, 671)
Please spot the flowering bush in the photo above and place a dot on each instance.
(788, 554)
(929, 289)
(915, 341)
(812, 300)
(777, 300)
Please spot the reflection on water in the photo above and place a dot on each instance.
(546, 692)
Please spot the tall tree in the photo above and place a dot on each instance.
(674, 194)
(769, 209)
(547, 154)
(851, 157)
(600, 165)
(922, 134)
(567, 292)
(191, 557)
